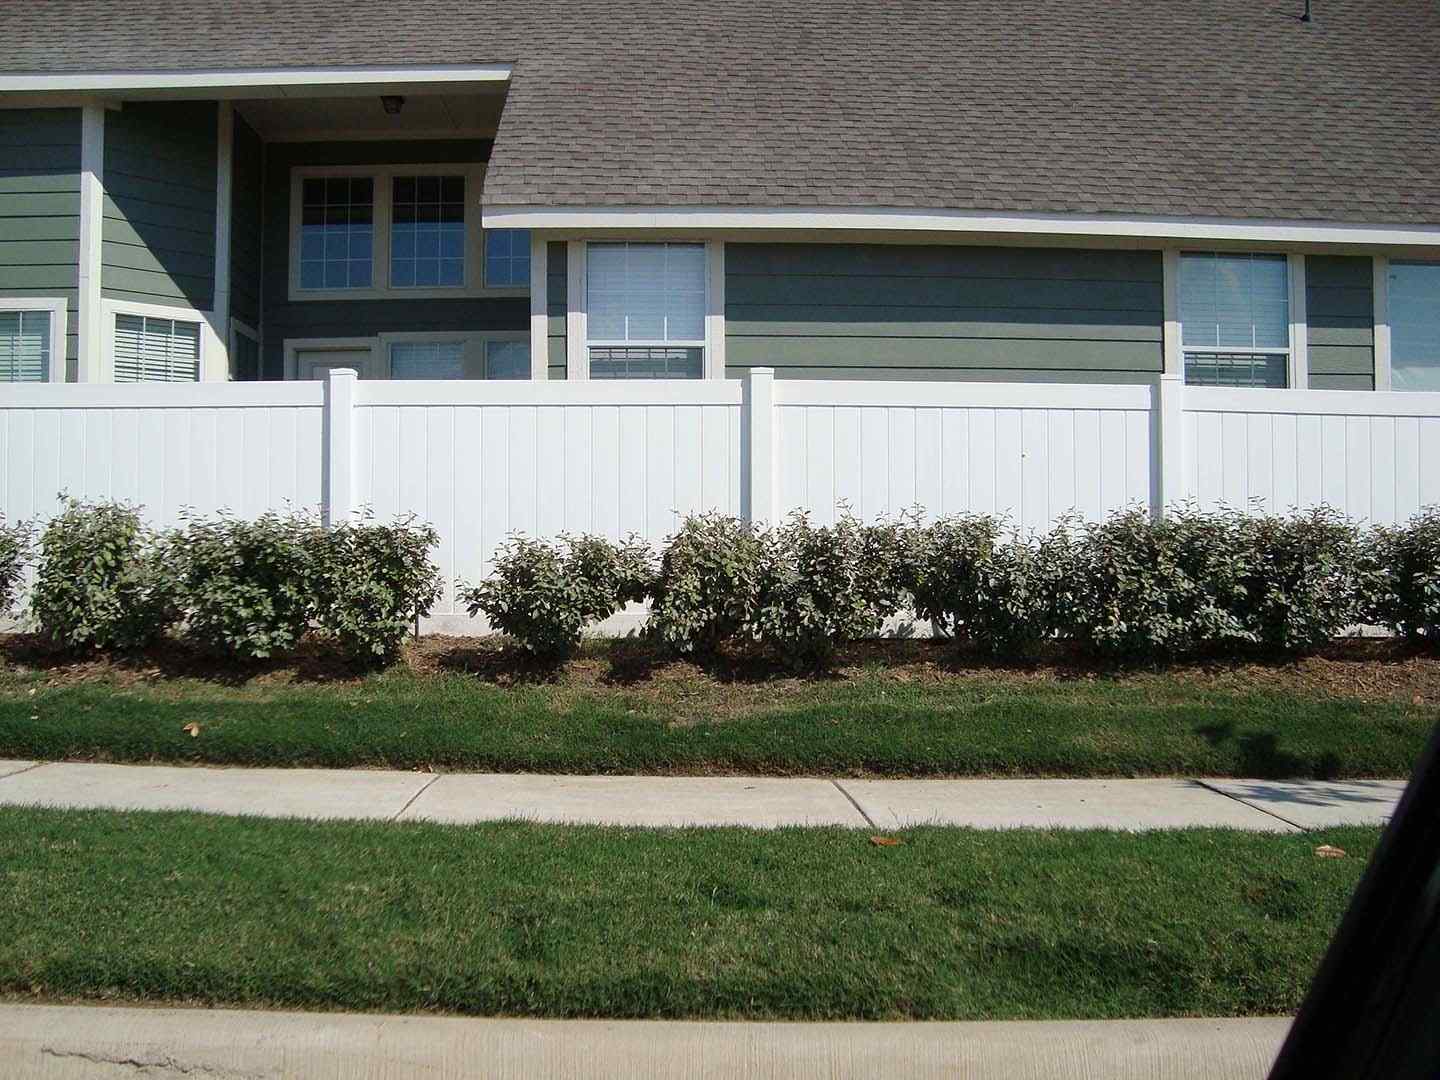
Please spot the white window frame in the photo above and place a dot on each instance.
(56, 307)
(377, 365)
(473, 340)
(577, 338)
(214, 357)
(380, 288)
(1297, 374)
(368, 369)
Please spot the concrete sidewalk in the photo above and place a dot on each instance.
(1262, 805)
(51, 1042)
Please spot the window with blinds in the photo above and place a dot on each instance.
(427, 360)
(24, 346)
(645, 310)
(148, 349)
(1235, 319)
(507, 360)
(1415, 325)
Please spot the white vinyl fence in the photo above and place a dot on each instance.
(481, 460)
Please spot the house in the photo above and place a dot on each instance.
(1227, 191)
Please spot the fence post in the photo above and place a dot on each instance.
(757, 430)
(1168, 482)
(339, 444)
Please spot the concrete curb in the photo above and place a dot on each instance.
(52, 1042)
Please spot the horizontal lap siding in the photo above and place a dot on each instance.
(40, 209)
(160, 181)
(1339, 308)
(246, 217)
(907, 312)
(287, 319)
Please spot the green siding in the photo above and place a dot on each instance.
(40, 209)
(949, 312)
(285, 318)
(1340, 314)
(159, 230)
(557, 285)
(247, 214)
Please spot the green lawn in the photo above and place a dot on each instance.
(531, 920)
(873, 720)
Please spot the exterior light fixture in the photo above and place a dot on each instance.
(392, 103)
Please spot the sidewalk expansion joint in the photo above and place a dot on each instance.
(858, 808)
(411, 801)
(28, 768)
(1252, 806)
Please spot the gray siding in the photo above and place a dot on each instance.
(1340, 312)
(360, 318)
(246, 219)
(949, 312)
(40, 209)
(159, 232)
(557, 285)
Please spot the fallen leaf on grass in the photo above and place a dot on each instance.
(193, 730)
(1326, 851)
(886, 841)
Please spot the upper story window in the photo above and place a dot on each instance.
(507, 256)
(427, 231)
(1235, 319)
(412, 231)
(645, 310)
(1414, 300)
(337, 233)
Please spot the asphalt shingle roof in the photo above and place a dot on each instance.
(1215, 108)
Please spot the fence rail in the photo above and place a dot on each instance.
(480, 460)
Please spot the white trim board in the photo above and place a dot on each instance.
(273, 80)
(960, 221)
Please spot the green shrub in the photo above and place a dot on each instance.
(1305, 579)
(14, 551)
(994, 593)
(821, 586)
(103, 580)
(1137, 588)
(371, 582)
(544, 593)
(247, 586)
(1408, 599)
(708, 585)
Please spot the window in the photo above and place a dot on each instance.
(337, 232)
(507, 359)
(390, 231)
(1235, 319)
(1414, 298)
(152, 349)
(507, 257)
(645, 310)
(427, 231)
(25, 346)
(427, 360)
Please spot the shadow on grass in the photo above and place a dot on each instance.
(1259, 754)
